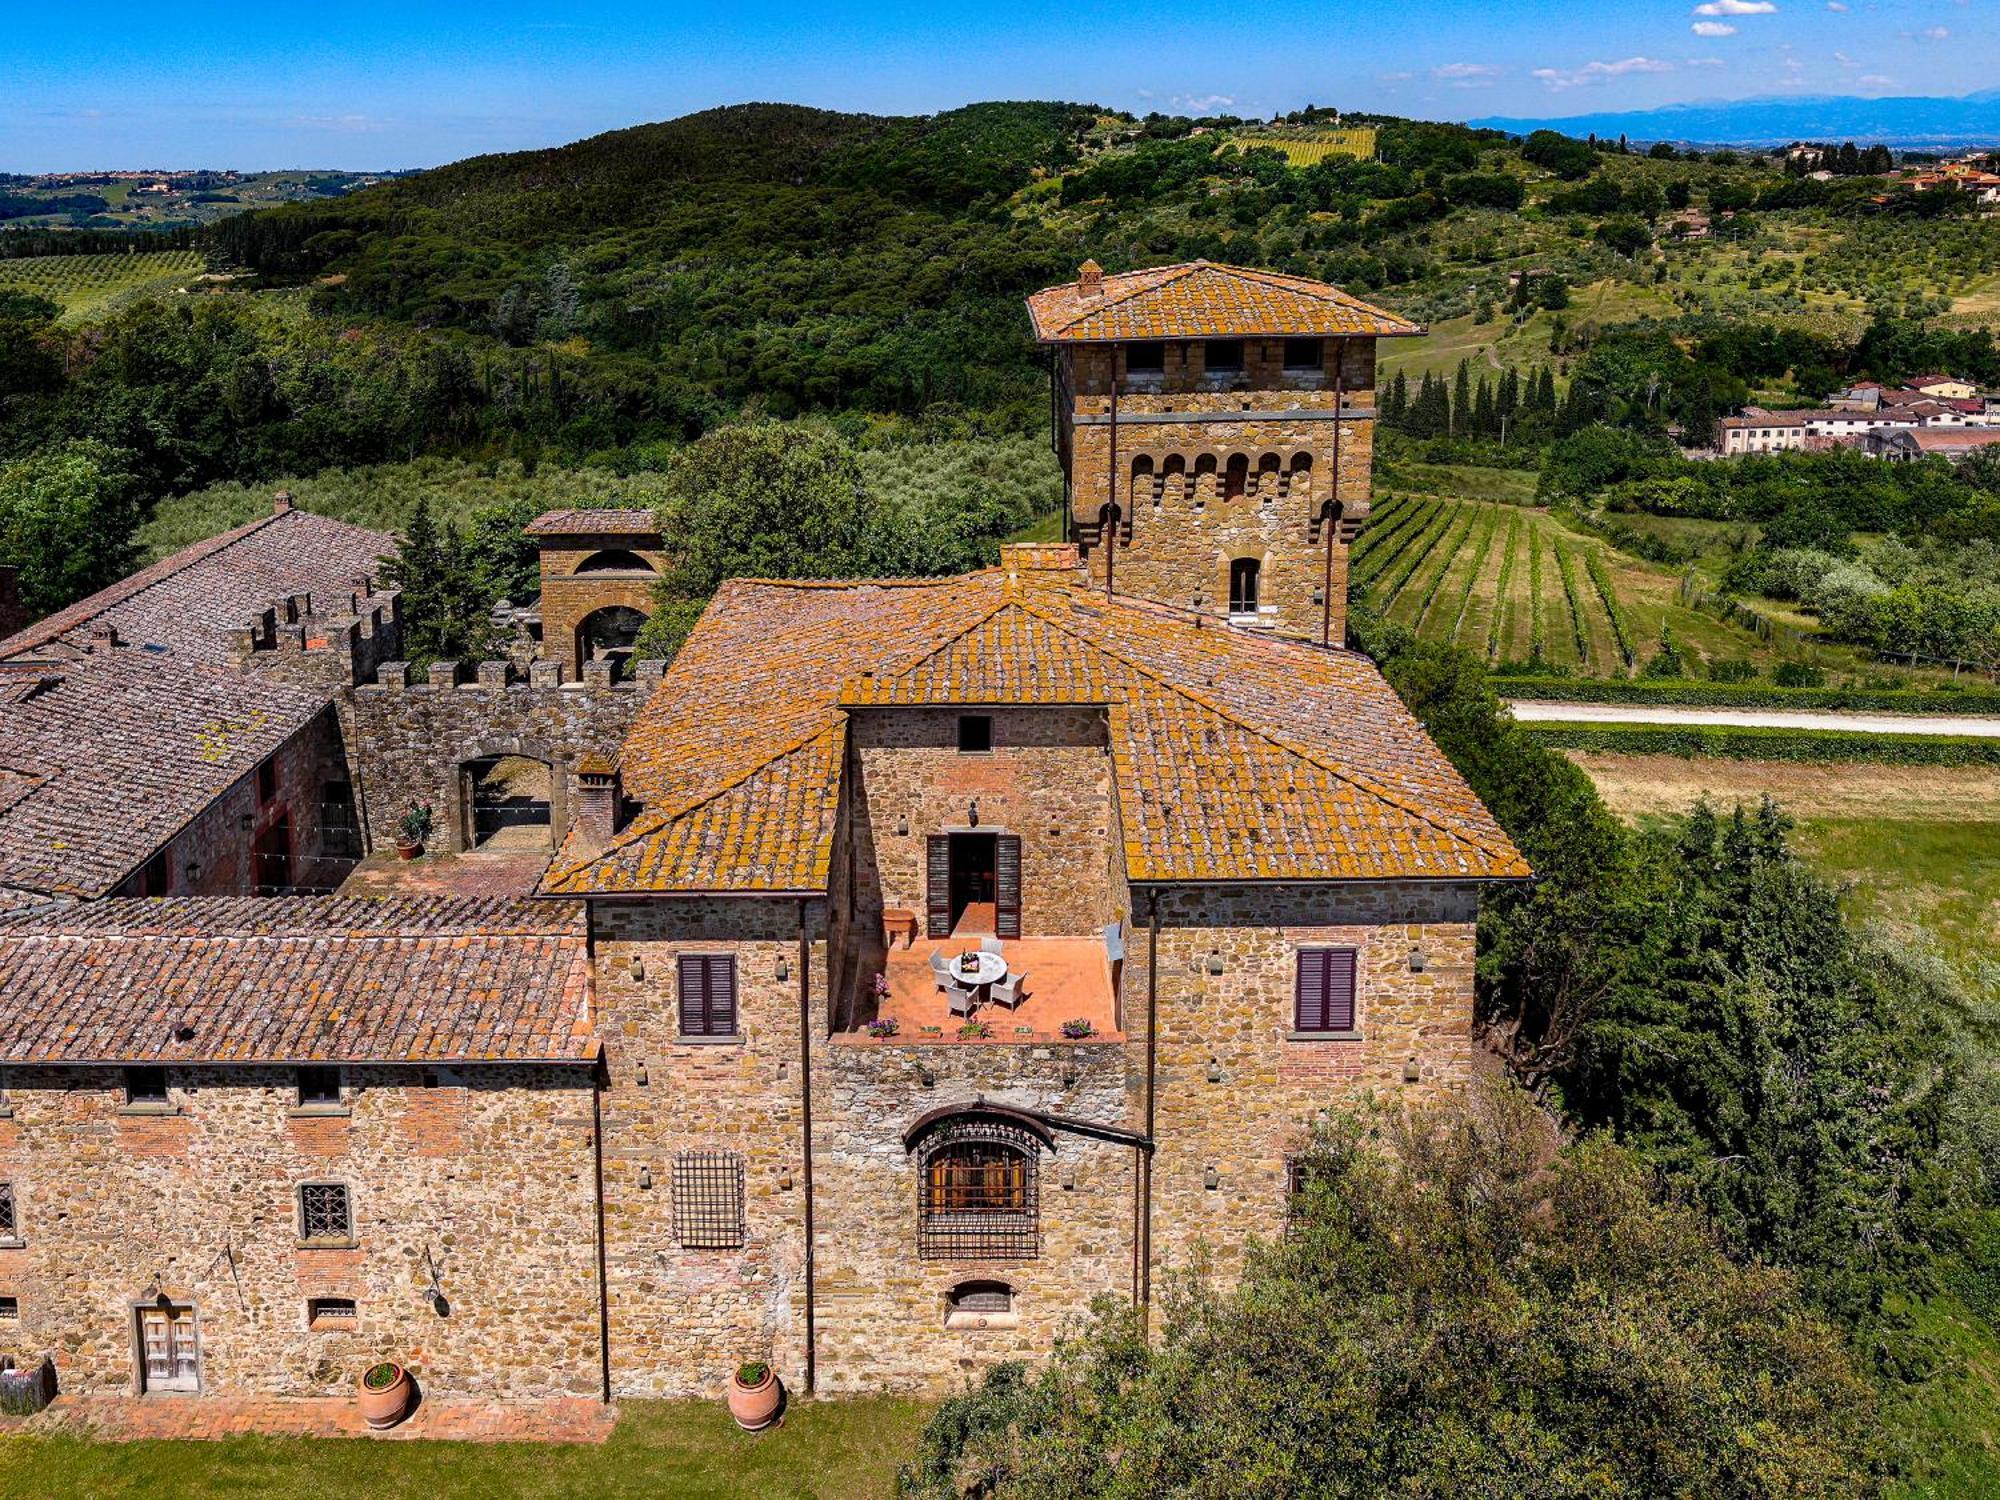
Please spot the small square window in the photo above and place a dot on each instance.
(145, 1085)
(10, 1309)
(267, 783)
(1305, 354)
(319, 1085)
(325, 1213)
(1148, 358)
(332, 1314)
(1223, 357)
(975, 734)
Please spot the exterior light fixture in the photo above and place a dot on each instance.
(638, 967)
(1211, 1179)
(645, 1177)
(1215, 960)
(784, 970)
(1412, 1072)
(903, 825)
(640, 1077)
(1214, 1071)
(972, 813)
(1417, 960)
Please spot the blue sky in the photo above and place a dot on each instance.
(367, 84)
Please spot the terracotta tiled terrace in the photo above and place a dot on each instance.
(1068, 979)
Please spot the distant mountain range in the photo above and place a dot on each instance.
(1973, 120)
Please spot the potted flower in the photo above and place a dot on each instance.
(412, 829)
(385, 1394)
(884, 1027)
(1076, 1031)
(754, 1395)
(973, 1031)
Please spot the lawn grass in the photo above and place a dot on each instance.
(688, 1450)
(1950, 1426)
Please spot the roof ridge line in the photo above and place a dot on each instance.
(1177, 273)
(1366, 783)
(1008, 596)
(1324, 291)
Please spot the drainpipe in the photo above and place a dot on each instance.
(603, 1287)
(1152, 1055)
(1333, 503)
(1111, 539)
(806, 1109)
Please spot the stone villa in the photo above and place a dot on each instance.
(703, 1085)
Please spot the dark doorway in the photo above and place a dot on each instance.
(271, 858)
(507, 799)
(608, 634)
(974, 878)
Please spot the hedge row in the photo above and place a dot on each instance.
(1710, 741)
(1745, 695)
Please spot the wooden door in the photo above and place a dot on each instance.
(170, 1356)
(1007, 885)
(937, 886)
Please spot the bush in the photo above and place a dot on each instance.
(1750, 695)
(1803, 746)
(1798, 674)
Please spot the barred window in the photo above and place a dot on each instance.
(9, 1223)
(978, 1193)
(708, 1200)
(331, 1313)
(324, 1212)
(145, 1085)
(10, 1309)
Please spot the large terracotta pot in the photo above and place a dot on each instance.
(409, 848)
(389, 1404)
(755, 1406)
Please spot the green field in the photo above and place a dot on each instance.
(828, 1450)
(1513, 584)
(84, 285)
(1311, 150)
(1500, 342)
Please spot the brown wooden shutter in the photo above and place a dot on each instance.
(937, 888)
(722, 995)
(1323, 998)
(1007, 885)
(694, 995)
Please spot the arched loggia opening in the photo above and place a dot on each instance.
(608, 634)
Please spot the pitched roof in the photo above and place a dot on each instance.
(1238, 756)
(105, 756)
(189, 602)
(594, 523)
(1204, 300)
(241, 979)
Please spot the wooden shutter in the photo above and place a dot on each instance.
(1324, 994)
(1007, 885)
(708, 994)
(937, 887)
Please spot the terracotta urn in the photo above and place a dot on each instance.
(755, 1405)
(385, 1400)
(409, 848)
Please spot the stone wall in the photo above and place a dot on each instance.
(487, 1176)
(569, 597)
(1047, 779)
(212, 855)
(411, 738)
(1176, 437)
(329, 644)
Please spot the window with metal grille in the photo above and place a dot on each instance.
(708, 1200)
(9, 1222)
(977, 1193)
(332, 1312)
(708, 994)
(10, 1309)
(324, 1212)
(1323, 997)
(982, 1296)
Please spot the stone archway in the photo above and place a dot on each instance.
(608, 633)
(466, 811)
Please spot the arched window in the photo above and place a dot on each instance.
(981, 1304)
(615, 560)
(1235, 478)
(1243, 585)
(978, 1191)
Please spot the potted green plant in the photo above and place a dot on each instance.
(754, 1395)
(412, 829)
(386, 1389)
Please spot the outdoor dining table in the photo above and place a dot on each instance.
(992, 968)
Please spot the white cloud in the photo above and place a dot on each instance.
(1395, 77)
(1877, 80)
(1202, 103)
(1598, 72)
(1933, 34)
(1713, 28)
(1467, 75)
(1837, 7)
(1704, 62)
(1736, 8)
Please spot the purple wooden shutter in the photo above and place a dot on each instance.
(1323, 999)
(722, 995)
(694, 995)
(937, 889)
(1007, 885)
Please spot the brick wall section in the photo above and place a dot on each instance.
(217, 844)
(682, 1319)
(1047, 779)
(1184, 533)
(1245, 1125)
(491, 1173)
(568, 596)
(411, 737)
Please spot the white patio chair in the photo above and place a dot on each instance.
(1007, 991)
(990, 945)
(941, 969)
(961, 998)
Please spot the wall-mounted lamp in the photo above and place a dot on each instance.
(1069, 1179)
(1211, 1179)
(193, 870)
(927, 1078)
(1214, 1071)
(784, 970)
(640, 1077)
(1319, 596)
(1412, 1072)
(638, 967)
(1417, 960)
(972, 813)
(645, 1177)
(1215, 960)
(247, 821)
(903, 826)
(785, 1183)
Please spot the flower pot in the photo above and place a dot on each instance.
(755, 1407)
(409, 848)
(389, 1404)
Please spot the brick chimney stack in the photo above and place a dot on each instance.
(103, 635)
(281, 502)
(600, 801)
(1090, 281)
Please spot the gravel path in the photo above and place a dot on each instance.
(1756, 718)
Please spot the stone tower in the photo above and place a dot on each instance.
(1215, 426)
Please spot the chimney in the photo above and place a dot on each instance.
(281, 502)
(599, 801)
(1090, 281)
(103, 635)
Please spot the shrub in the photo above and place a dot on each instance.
(1798, 674)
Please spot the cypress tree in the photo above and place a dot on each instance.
(1461, 401)
(1485, 420)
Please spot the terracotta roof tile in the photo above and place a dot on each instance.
(296, 980)
(594, 523)
(1203, 300)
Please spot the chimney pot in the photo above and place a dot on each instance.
(1090, 279)
(599, 801)
(103, 633)
(281, 502)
